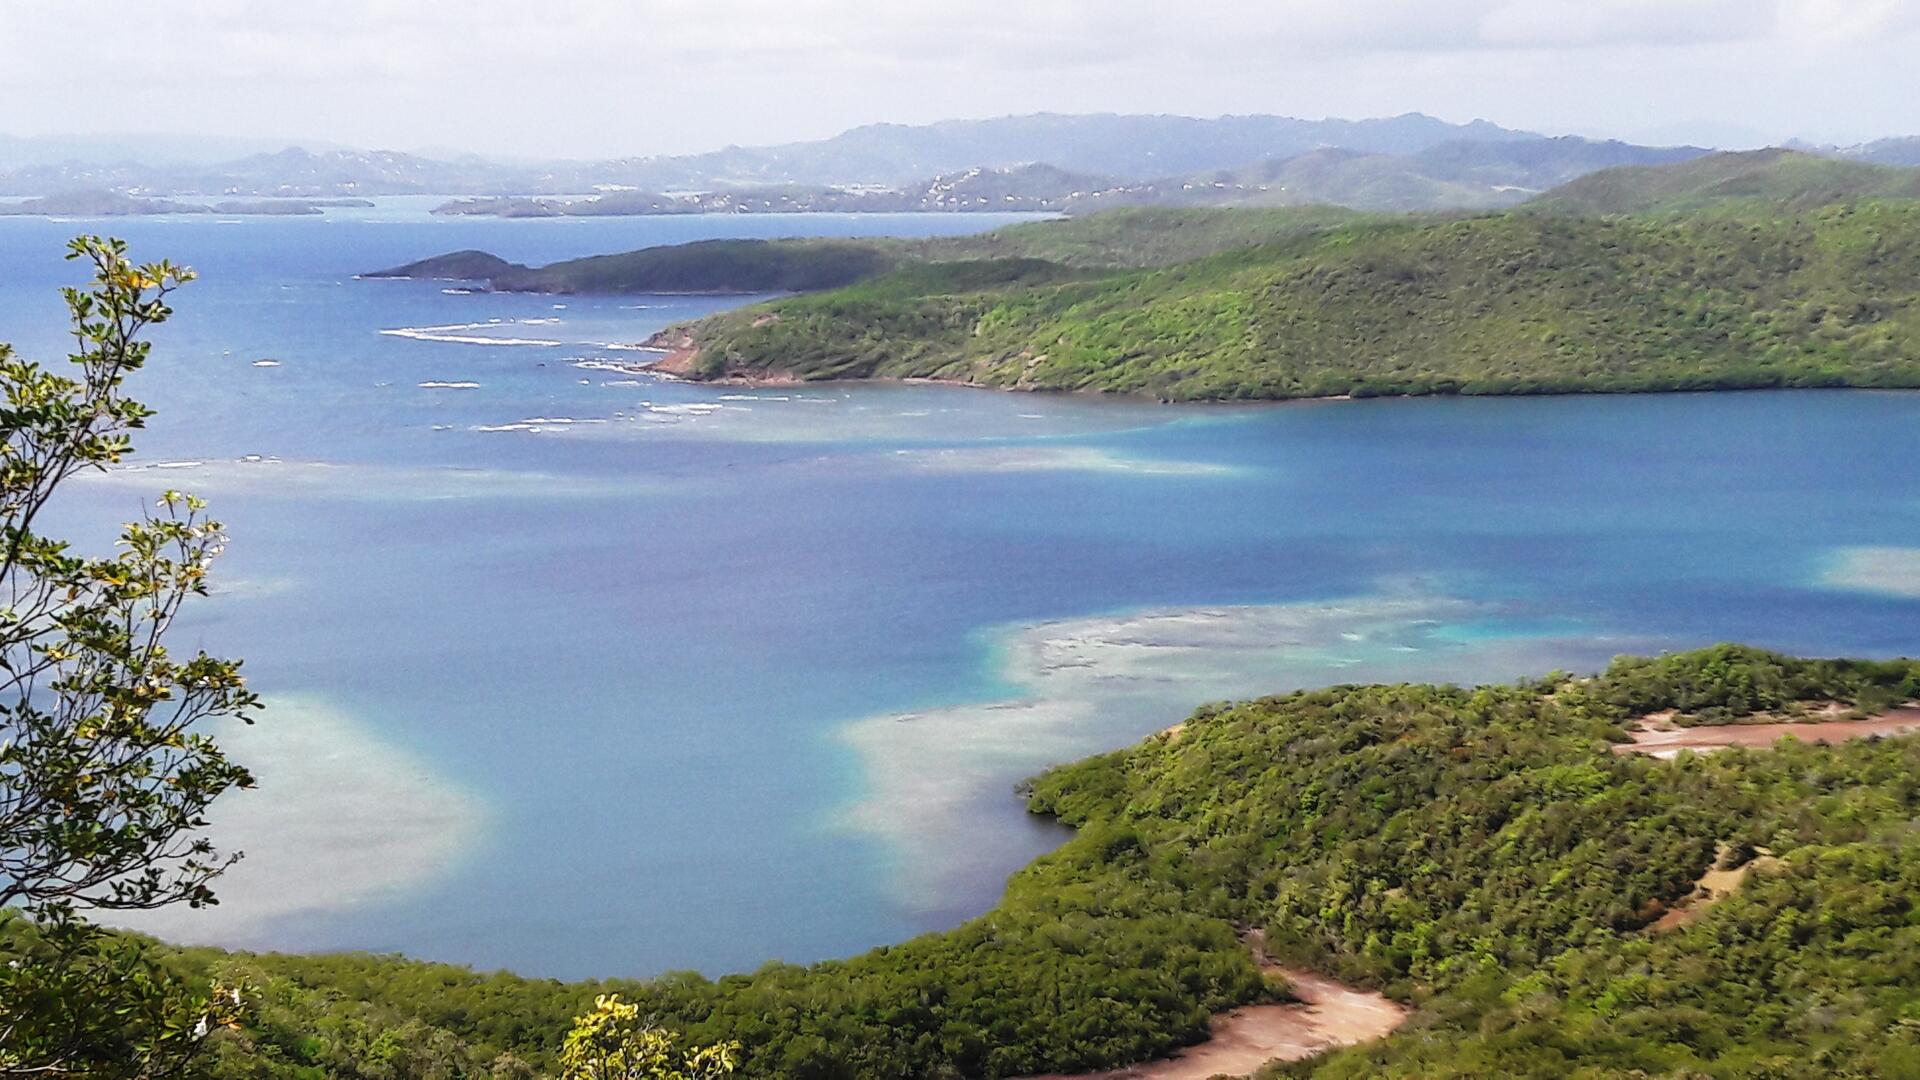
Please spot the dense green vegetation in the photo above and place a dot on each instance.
(1751, 182)
(1754, 270)
(710, 266)
(1079, 967)
(705, 266)
(1478, 852)
(465, 265)
(1517, 303)
(1728, 691)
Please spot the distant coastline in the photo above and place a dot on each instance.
(117, 204)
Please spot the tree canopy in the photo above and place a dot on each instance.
(105, 773)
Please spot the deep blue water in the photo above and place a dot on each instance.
(584, 698)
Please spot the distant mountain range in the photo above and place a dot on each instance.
(1039, 162)
(20, 151)
(1456, 175)
(1125, 147)
(1900, 151)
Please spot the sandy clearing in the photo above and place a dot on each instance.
(1712, 887)
(1665, 742)
(1326, 1015)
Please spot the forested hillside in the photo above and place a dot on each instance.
(1515, 303)
(1478, 852)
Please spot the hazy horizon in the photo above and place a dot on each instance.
(595, 79)
(220, 146)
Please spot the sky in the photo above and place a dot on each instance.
(606, 78)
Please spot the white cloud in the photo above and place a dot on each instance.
(1586, 23)
(599, 77)
(1846, 20)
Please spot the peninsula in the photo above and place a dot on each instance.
(1735, 271)
(1479, 862)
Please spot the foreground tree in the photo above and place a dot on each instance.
(104, 776)
(613, 1043)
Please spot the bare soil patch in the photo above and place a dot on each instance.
(1715, 885)
(1325, 1015)
(1656, 734)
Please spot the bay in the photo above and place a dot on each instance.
(576, 672)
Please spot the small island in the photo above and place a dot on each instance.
(705, 267)
(119, 204)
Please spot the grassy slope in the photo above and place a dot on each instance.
(1376, 181)
(1478, 852)
(1516, 303)
(1758, 181)
(1135, 238)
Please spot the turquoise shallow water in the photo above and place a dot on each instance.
(583, 674)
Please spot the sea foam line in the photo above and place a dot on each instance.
(451, 333)
(1086, 684)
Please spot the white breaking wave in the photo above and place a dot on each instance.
(540, 423)
(1017, 459)
(621, 366)
(454, 334)
(435, 384)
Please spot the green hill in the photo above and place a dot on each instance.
(1479, 853)
(1456, 175)
(1773, 180)
(1121, 238)
(1380, 182)
(1516, 303)
(467, 265)
(710, 266)
(1139, 237)
(704, 266)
